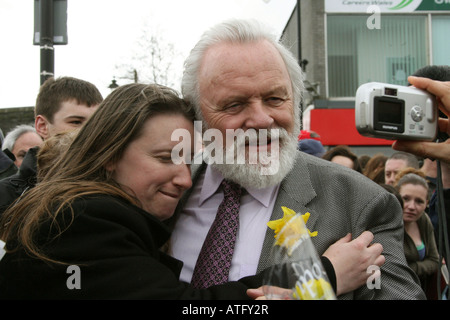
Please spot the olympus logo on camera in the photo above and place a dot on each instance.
(395, 112)
(390, 127)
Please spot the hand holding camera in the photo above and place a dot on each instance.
(395, 112)
(408, 115)
(441, 151)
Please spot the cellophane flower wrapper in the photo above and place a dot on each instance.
(299, 273)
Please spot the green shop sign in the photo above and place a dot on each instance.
(386, 6)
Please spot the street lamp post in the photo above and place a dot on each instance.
(113, 84)
(46, 40)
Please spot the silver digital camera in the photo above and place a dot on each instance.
(395, 112)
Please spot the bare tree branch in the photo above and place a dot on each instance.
(151, 60)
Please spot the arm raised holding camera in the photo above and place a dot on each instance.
(424, 149)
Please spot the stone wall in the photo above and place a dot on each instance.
(12, 117)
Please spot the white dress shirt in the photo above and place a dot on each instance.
(199, 213)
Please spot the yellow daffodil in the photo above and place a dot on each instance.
(288, 214)
(289, 230)
(314, 289)
(292, 234)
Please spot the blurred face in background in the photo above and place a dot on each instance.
(70, 116)
(414, 201)
(343, 161)
(23, 143)
(392, 167)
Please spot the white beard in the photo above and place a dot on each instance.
(270, 167)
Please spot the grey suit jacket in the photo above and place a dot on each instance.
(343, 201)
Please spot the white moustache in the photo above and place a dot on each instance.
(260, 137)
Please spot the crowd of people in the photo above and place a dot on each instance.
(413, 182)
(103, 192)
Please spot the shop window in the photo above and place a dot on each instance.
(441, 44)
(357, 54)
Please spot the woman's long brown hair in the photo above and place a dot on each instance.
(81, 169)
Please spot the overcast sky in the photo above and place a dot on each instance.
(101, 34)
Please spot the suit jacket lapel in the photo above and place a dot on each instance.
(295, 192)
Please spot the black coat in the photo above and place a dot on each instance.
(7, 166)
(13, 186)
(116, 247)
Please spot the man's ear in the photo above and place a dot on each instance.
(41, 126)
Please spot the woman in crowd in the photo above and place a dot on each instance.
(374, 168)
(92, 227)
(344, 156)
(419, 242)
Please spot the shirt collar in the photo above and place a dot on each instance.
(213, 179)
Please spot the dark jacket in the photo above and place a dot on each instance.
(426, 268)
(13, 186)
(434, 215)
(7, 166)
(116, 247)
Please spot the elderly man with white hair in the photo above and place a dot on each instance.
(19, 140)
(239, 77)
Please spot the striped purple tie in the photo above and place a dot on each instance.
(214, 261)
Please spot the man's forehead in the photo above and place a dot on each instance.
(75, 108)
(221, 53)
(66, 116)
(232, 60)
(395, 163)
